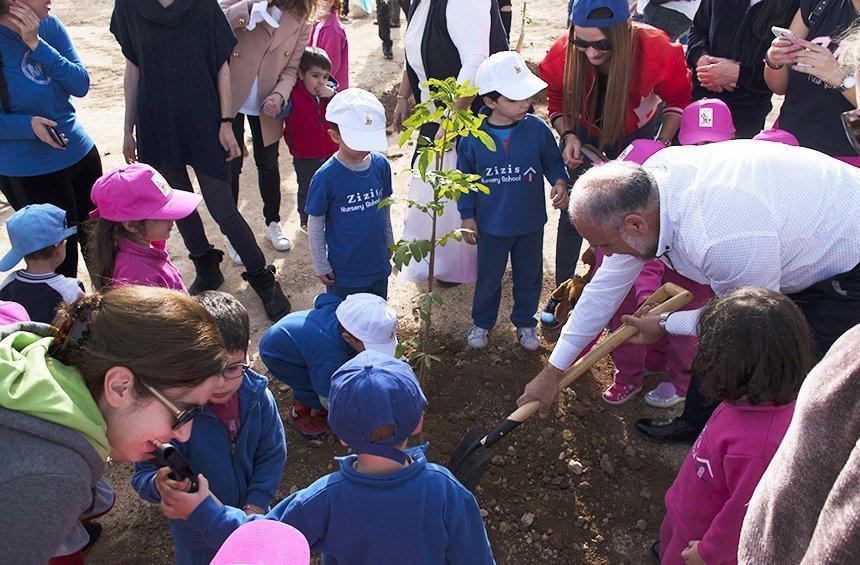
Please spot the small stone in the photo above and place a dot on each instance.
(641, 525)
(561, 455)
(633, 463)
(547, 433)
(645, 493)
(629, 451)
(505, 527)
(527, 519)
(294, 489)
(511, 450)
(575, 467)
(484, 513)
(584, 485)
(606, 464)
(498, 460)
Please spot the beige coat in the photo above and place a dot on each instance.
(269, 55)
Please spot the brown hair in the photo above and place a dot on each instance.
(314, 57)
(578, 77)
(230, 316)
(4, 7)
(381, 433)
(754, 345)
(164, 337)
(304, 9)
(45, 252)
(103, 238)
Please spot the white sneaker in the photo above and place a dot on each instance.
(232, 252)
(528, 338)
(275, 233)
(476, 338)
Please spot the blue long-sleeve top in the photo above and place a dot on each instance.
(514, 173)
(246, 471)
(41, 83)
(420, 514)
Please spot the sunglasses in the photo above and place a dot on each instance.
(600, 45)
(235, 371)
(180, 416)
(851, 123)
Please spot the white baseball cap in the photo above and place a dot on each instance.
(371, 320)
(506, 72)
(360, 117)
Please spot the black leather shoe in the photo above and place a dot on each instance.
(387, 52)
(655, 552)
(660, 430)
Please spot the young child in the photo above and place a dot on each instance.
(305, 128)
(754, 352)
(237, 440)
(348, 234)
(509, 220)
(386, 504)
(135, 212)
(38, 235)
(706, 121)
(328, 34)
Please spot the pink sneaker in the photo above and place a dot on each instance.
(619, 394)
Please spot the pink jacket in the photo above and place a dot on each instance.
(329, 35)
(147, 266)
(709, 497)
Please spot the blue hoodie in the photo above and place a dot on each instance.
(245, 472)
(420, 514)
(514, 173)
(41, 83)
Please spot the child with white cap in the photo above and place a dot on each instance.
(348, 234)
(305, 348)
(386, 504)
(509, 220)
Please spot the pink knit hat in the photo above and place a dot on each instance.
(640, 150)
(264, 542)
(778, 135)
(138, 192)
(706, 120)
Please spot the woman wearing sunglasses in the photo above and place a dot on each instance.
(127, 369)
(607, 78)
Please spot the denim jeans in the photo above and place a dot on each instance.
(266, 159)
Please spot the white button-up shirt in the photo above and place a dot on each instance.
(734, 214)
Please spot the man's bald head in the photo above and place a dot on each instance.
(606, 194)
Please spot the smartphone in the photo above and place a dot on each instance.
(784, 33)
(56, 136)
(168, 456)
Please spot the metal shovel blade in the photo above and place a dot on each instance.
(470, 460)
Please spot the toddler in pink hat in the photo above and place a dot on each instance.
(135, 212)
(264, 542)
(706, 121)
(778, 136)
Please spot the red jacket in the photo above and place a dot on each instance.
(659, 73)
(306, 129)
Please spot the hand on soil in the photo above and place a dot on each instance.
(176, 503)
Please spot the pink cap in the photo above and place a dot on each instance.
(12, 312)
(706, 120)
(778, 135)
(264, 542)
(138, 192)
(640, 150)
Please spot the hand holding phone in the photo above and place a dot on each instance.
(180, 469)
(785, 34)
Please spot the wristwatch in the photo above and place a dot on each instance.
(849, 81)
(662, 322)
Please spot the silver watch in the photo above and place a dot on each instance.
(662, 321)
(849, 81)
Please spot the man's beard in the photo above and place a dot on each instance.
(645, 250)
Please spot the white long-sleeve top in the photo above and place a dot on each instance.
(734, 214)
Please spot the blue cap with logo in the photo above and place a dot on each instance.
(579, 11)
(32, 228)
(372, 390)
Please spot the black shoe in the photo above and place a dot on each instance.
(94, 529)
(660, 430)
(269, 290)
(208, 276)
(655, 551)
(387, 52)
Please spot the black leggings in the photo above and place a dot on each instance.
(68, 189)
(219, 201)
(266, 159)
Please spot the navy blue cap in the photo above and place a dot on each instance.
(372, 390)
(579, 10)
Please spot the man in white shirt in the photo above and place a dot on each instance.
(732, 214)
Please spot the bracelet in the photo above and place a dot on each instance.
(402, 97)
(565, 133)
(767, 62)
(226, 120)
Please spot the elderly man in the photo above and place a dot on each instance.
(733, 214)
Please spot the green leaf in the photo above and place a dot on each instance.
(486, 139)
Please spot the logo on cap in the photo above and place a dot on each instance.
(517, 69)
(368, 121)
(162, 185)
(706, 117)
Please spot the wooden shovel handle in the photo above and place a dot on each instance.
(669, 298)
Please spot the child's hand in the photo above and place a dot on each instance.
(470, 237)
(176, 503)
(691, 554)
(559, 195)
(327, 279)
(273, 104)
(251, 509)
(326, 92)
(161, 478)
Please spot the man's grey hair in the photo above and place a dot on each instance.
(606, 194)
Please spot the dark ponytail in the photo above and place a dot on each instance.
(102, 241)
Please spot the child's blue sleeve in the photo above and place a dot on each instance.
(270, 456)
(317, 196)
(466, 163)
(143, 482)
(59, 59)
(467, 537)
(550, 157)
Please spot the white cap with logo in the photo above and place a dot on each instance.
(360, 117)
(371, 320)
(506, 72)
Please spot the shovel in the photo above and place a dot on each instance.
(471, 458)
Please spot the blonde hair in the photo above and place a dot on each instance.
(578, 75)
(849, 47)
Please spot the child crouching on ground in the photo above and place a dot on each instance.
(509, 220)
(386, 504)
(754, 352)
(237, 440)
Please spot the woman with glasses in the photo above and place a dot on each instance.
(607, 79)
(127, 369)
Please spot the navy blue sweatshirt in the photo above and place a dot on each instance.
(514, 173)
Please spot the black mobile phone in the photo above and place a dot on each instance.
(56, 136)
(168, 456)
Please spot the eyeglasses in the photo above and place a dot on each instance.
(851, 123)
(180, 415)
(235, 371)
(599, 45)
